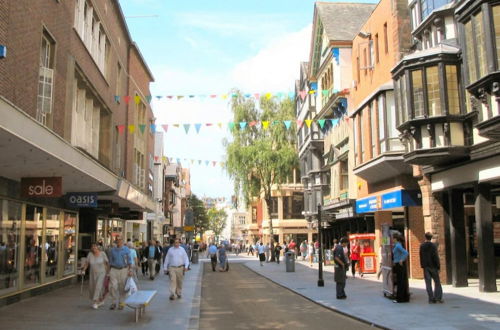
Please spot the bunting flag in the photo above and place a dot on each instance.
(242, 125)
(225, 96)
(321, 123)
(214, 163)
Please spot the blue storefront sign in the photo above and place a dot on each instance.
(81, 199)
(390, 200)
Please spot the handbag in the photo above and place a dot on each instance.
(130, 286)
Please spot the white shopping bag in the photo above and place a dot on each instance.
(130, 286)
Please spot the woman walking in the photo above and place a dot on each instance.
(310, 253)
(355, 249)
(99, 267)
(400, 255)
(303, 249)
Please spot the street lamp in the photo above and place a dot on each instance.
(320, 254)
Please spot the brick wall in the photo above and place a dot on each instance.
(415, 238)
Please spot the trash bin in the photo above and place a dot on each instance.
(194, 257)
(290, 261)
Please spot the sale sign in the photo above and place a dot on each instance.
(41, 187)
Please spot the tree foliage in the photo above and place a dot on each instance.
(259, 158)
(216, 221)
(200, 216)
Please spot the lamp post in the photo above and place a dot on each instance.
(320, 254)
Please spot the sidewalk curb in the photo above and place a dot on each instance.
(194, 319)
(372, 324)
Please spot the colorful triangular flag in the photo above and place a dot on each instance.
(308, 122)
(265, 124)
(165, 128)
(321, 123)
(197, 126)
(287, 123)
(186, 127)
(243, 124)
(137, 99)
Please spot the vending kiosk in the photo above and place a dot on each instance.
(368, 257)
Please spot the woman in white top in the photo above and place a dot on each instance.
(310, 253)
(99, 267)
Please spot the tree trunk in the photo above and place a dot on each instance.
(271, 233)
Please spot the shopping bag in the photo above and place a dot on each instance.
(130, 286)
(105, 284)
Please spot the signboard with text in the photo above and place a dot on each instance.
(389, 200)
(81, 199)
(50, 187)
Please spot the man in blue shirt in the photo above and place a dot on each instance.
(119, 261)
(212, 252)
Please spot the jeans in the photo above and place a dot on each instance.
(429, 275)
(402, 294)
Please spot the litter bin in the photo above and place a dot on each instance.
(194, 257)
(290, 261)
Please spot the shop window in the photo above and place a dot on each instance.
(418, 93)
(433, 95)
(69, 248)
(34, 248)
(452, 89)
(373, 129)
(52, 243)
(10, 227)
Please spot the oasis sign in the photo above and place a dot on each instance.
(81, 199)
(41, 187)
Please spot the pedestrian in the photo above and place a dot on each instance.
(277, 251)
(310, 253)
(429, 261)
(151, 253)
(266, 251)
(400, 255)
(144, 259)
(262, 255)
(176, 265)
(250, 249)
(134, 263)
(158, 258)
(222, 256)
(341, 267)
(98, 263)
(354, 257)
(212, 252)
(303, 249)
(119, 262)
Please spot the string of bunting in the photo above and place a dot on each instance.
(137, 99)
(212, 163)
(153, 128)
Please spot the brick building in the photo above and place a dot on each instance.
(69, 143)
(387, 192)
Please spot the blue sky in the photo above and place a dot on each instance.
(209, 47)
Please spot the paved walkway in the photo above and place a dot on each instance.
(239, 299)
(464, 308)
(66, 308)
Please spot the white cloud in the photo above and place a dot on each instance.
(275, 67)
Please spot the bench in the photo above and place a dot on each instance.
(139, 300)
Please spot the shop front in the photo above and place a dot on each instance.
(400, 209)
(37, 247)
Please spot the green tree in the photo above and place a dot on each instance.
(216, 221)
(260, 158)
(200, 216)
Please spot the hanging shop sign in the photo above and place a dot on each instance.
(41, 187)
(76, 200)
(390, 200)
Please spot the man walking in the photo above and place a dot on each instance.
(176, 264)
(119, 261)
(341, 265)
(429, 261)
(152, 253)
(212, 252)
(262, 254)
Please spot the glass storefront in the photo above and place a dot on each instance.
(10, 231)
(37, 245)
